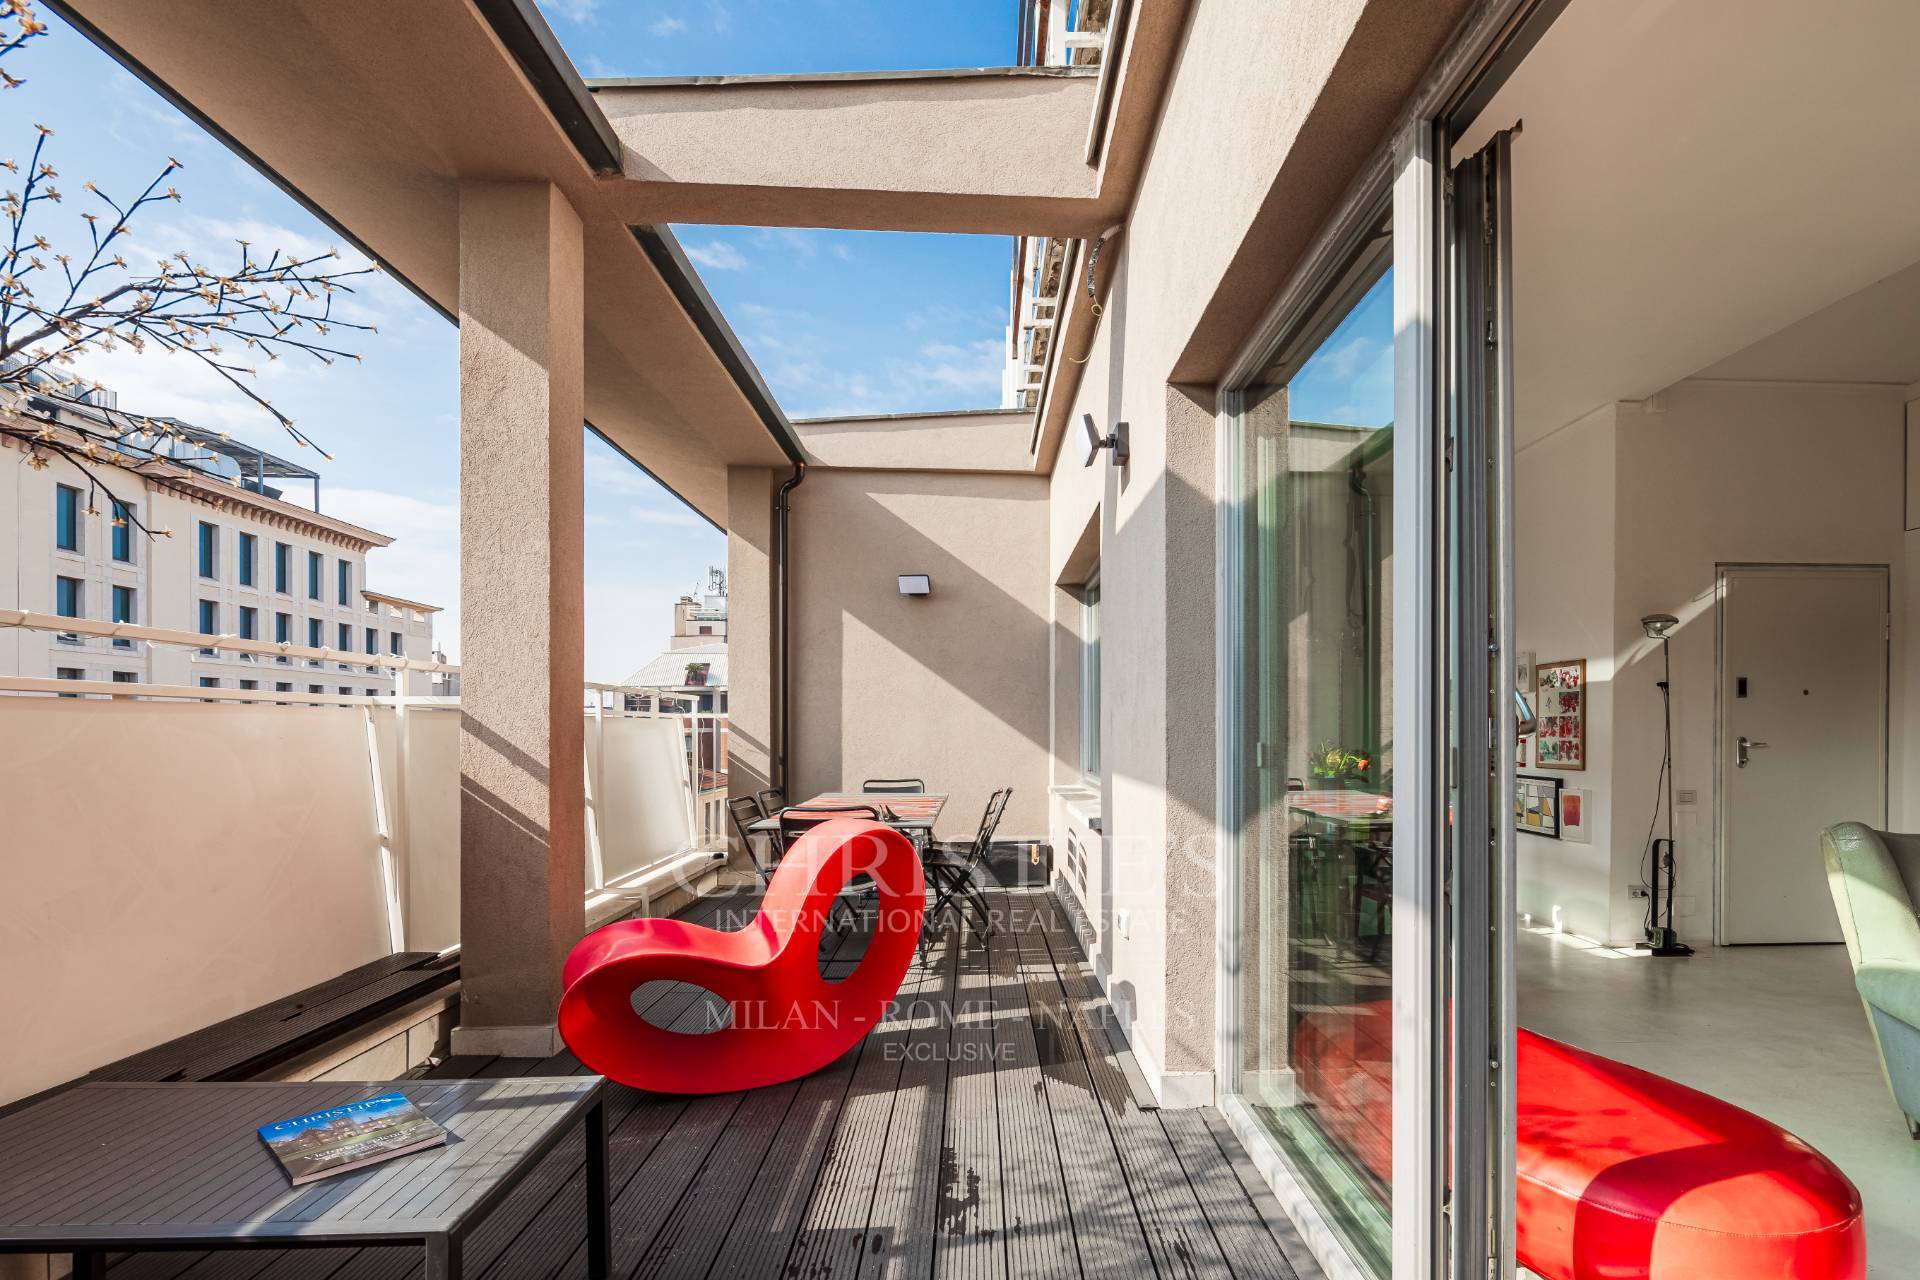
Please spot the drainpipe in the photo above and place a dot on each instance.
(782, 546)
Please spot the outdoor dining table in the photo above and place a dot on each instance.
(913, 812)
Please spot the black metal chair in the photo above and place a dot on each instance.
(772, 800)
(745, 811)
(893, 786)
(798, 819)
(950, 865)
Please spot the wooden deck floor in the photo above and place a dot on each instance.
(986, 1129)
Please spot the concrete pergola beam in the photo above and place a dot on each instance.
(978, 150)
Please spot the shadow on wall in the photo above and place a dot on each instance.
(952, 686)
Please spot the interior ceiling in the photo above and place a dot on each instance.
(386, 167)
(1721, 188)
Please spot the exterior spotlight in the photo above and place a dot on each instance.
(916, 584)
(1095, 442)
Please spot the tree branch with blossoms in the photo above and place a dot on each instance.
(58, 303)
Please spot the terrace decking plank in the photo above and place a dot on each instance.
(1177, 1227)
(1242, 1230)
(833, 1232)
(970, 1237)
(1108, 1232)
(986, 1129)
(906, 1199)
(1038, 1217)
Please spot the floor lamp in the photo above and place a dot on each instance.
(1661, 938)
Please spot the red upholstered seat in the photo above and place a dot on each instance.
(1623, 1174)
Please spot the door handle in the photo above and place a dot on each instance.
(1743, 749)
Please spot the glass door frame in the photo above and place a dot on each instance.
(1409, 177)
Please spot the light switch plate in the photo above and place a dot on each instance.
(1123, 922)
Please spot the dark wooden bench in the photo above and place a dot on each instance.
(252, 1044)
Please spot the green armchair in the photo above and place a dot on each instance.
(1875, 879)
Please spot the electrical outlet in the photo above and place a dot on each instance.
(1685, 797)
(1636, 891)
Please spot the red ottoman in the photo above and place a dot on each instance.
(1623, 1174)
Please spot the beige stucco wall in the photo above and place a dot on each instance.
(975, 440)
(129, 916)
(1272, 110)
(951, 687)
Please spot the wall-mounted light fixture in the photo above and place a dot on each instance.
(1095, 442)
(916, 584)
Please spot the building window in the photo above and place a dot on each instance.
(346, 582)
(66, 517)
(283, 686)
(346, 691)
(249, 684)
(122, 532)
(249, 622)
(393, 643)
(373, 639)
(706, 631)
(315, 639)
(126, 677)
(249, 545)
(345, 633)
(316, 567)
(283, 632)
(373, 693)
(1090, 680)
(283, 568)
(209, 550)
(69, 673)
(209, 621)
(314, 688)
(123, 611)
(67, 602)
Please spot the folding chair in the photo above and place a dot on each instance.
(950, 865)
(893, 786)
(745, 811)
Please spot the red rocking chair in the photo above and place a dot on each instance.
(787, 1020)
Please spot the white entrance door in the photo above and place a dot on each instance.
(1803, 741)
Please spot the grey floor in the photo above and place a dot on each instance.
(1777, 1030)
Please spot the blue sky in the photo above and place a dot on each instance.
(839, 322)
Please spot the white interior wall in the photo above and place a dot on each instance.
(1728, 473)
(1706, 473)
(1563, 575)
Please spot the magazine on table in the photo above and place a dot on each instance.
(353, 1136)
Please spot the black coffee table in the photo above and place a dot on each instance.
(179, 1166)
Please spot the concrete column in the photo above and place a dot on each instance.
(1191, 885)
(750, 626)
(522, 881)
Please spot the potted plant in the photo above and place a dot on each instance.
(1339, 768)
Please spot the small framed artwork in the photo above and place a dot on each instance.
(1536, 806)
(1574, 805)
(1560, 741)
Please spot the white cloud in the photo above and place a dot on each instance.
(573, 10)
(718, 255)
(721, 19)
(668, 26)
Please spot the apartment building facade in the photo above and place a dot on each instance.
(180, 546)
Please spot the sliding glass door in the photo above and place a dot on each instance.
(1313, 438)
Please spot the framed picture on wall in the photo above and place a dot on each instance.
(1536, 806)
(1560, 741)
(1575, 806)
